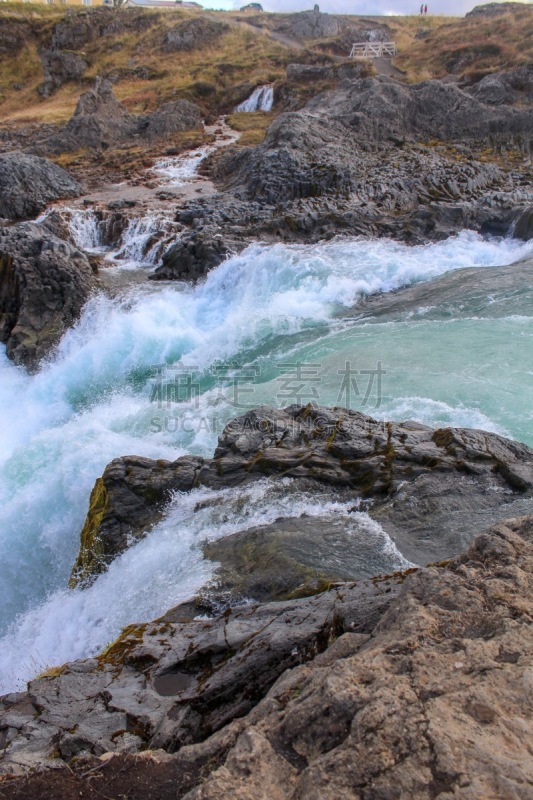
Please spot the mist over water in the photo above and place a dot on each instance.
(96, 399)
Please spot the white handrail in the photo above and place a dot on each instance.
(373, 49)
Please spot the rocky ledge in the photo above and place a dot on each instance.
(415, 685)
(430, 490)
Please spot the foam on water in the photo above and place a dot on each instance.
(164, 569)
(91, 403)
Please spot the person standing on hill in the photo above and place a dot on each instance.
(425, 9)
(422, 8)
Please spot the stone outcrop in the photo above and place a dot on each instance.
(410, 477)
(126, 501)
(193, 33)
(44, 283)
(100, 121)
(28, 183)
(60, 67)
(371, 157)
(311, 25)
(504, 88)
(413, 685)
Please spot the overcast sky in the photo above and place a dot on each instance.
(371, 7)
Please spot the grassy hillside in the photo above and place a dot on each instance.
(134, 55)
(469, 47)
(131, 47)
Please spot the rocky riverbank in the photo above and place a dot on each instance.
(351, 596)
(415, 681)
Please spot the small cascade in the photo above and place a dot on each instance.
(261, 99)
(85, 228)
(144, 241)
(182, 169)
(126, 243)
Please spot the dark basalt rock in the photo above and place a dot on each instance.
(44, 283)
(126, 501)
(28, 183)
(193, 255)
(100, 121)
(413, 478)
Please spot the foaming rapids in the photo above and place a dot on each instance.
(167, 567)
(93, 400)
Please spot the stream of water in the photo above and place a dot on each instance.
(268, 326)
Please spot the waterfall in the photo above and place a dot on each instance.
(261, 99)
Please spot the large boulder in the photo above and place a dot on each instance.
(126, 501)
(28, 183)
(412, 477)
(44, 283)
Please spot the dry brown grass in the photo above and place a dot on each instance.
(206, 75)
(470, 46)
(146, 76)
(252, 125)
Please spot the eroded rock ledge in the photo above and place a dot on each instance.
(431, 490)
(411, 686)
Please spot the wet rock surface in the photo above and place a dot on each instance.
(127, 500)
(415, 681)
(44, 283)
(28, 183)
(422, 485)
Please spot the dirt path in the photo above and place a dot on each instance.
(384, 66)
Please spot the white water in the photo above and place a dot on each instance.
(141, 244)
(180, 170)
(91, 403)
(166, 568)
(261, 99)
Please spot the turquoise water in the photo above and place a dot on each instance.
(274, 325)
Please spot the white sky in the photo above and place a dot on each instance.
(370, 7)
